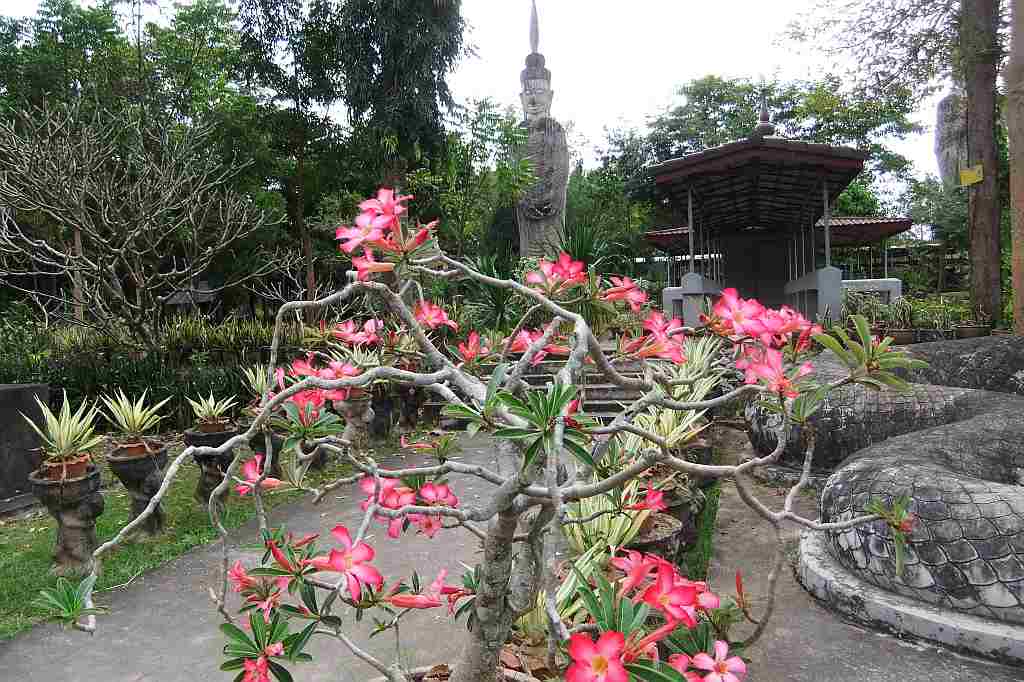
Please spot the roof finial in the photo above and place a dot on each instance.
(764, 127)
(534, 29)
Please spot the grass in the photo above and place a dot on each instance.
(26, 544)
(697, 558)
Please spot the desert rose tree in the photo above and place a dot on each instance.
(548, 458)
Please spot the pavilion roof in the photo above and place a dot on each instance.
(763, 183)
(846, 231)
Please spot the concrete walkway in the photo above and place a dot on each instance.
(164, 628)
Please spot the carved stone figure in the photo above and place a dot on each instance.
(540, 213)
(951, 136)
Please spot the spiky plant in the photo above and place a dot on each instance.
(66, 435)
(132, 418)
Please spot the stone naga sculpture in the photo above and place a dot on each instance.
(951, 136)
(540, 211)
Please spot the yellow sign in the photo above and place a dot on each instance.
(971, 176)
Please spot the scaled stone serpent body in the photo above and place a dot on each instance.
(955, 446)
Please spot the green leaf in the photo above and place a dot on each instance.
(497, 378)
(279, 671)
(654, 672)
(829, 342)
(580, 452)
(309, 597)
(259, 629)
(233, 664)
(236, 634)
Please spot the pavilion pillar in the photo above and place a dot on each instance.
(689, 220)
(826, 218)
(885, 258)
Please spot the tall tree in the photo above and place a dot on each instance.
(291, 55)
(1014, 77)
(396, 61)
(915, 45)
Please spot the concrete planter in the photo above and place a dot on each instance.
(358, 415)
(142, 475)
(259, 446)
(420, 675)
(660, 535)
(212, 466)
(75, 504)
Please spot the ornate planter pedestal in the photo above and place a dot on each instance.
(142, 476)
(660, 535)
(358, 416)
(410, 400)
(75, 503)
(212, 467)
(259, 446)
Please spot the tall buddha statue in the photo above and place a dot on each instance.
(540, 212)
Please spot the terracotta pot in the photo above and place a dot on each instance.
(212, 427)
(660, 535)
(142, 476)
(901, 337)
(75, 504)
(974, 331)
(66, 470)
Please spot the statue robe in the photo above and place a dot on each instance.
(540, 212)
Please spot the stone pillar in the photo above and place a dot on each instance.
(75, 504)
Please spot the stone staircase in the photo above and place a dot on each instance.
(601, 400)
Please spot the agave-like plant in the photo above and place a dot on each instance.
(67, 435)
(210, 410)
(258, 379)
(132, 418)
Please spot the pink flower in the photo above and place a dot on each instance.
(625, 289)
(386, 206)
(438, 494)
(429, 524)
(392, 496)
(368, 265)
(251, 471)
(681, 662)
(241, 580)
(347, 332)
(415, 445)
(473, 349)
(654, 501)
(677, 602)
(597, 662)
(721, 669)
(768, 368)
(350, 562)
(275, 649)
(738, 317)
(431, 598)
(256, 670)
(367, 229)
(659, 327)
(557, 276)
(433, 315)
(637, 568)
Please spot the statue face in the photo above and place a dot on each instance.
(536, 98)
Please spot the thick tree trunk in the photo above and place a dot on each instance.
(1014, 77)
(300, 224)
(77, 290)
(980, 50)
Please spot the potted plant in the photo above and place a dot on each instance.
(68, 483)
(259, 383)
(974, 325)
(213, 428)
(900, 319)
(137, 461)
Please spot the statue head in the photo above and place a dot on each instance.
(537, 93)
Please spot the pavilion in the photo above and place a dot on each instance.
(761, 218)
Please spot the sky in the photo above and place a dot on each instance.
(615, 63)
(619, 63)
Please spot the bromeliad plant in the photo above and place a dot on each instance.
(132, 419)
(549, 459)
(67, 438)
(212, 415)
